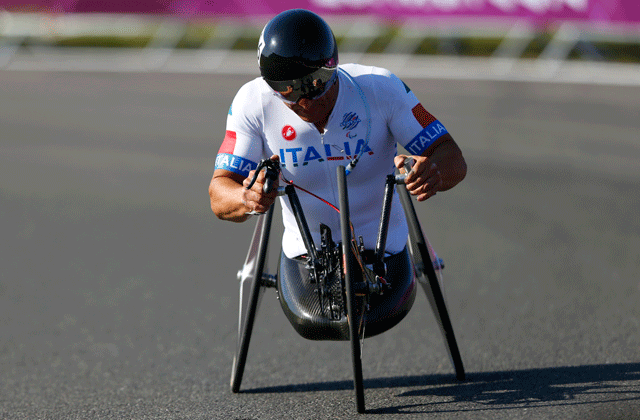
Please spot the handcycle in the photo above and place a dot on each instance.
(343, 283)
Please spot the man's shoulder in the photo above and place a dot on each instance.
(252, 88)
(362, 71)
(251, 97)
(375, 80)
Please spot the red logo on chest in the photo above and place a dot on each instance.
(288, 132)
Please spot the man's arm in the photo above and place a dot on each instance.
(230, 200)
(439, 168)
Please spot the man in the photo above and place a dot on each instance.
(313, 115)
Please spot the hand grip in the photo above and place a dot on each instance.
(408, 164)
(271, 175)
(271, 169)
(268, 185)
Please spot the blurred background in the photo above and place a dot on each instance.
(550, 32)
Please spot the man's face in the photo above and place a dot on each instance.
(315, 110)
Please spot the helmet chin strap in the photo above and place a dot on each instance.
(355, 160)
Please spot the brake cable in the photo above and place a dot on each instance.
(286, 181)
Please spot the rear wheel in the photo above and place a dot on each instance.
(251, 271)
(428, 279)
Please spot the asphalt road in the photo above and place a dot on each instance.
(118, 290)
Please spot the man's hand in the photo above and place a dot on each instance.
(424, 179)
(254, 199)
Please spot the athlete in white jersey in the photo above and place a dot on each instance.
(313, 115)
(373, 111)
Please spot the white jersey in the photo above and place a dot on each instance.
(374, 111)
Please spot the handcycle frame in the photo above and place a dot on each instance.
(354, 280)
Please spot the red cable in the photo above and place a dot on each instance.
(286, 181)
(309, 192)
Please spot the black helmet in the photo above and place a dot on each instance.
(297, 53)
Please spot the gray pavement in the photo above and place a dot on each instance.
(118, 294)
(211, 61)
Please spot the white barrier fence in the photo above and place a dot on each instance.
(41, 33)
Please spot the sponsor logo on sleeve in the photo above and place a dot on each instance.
(426, 137)
(230, 162)
(234, 163)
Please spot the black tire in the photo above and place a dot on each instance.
(428, 279)
(351, 275)
(263, 229)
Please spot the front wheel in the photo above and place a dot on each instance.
(350, 277)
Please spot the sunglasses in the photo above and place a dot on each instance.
(312, 86)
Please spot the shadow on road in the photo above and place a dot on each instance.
(501, 390)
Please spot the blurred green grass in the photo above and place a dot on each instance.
(206, 35)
